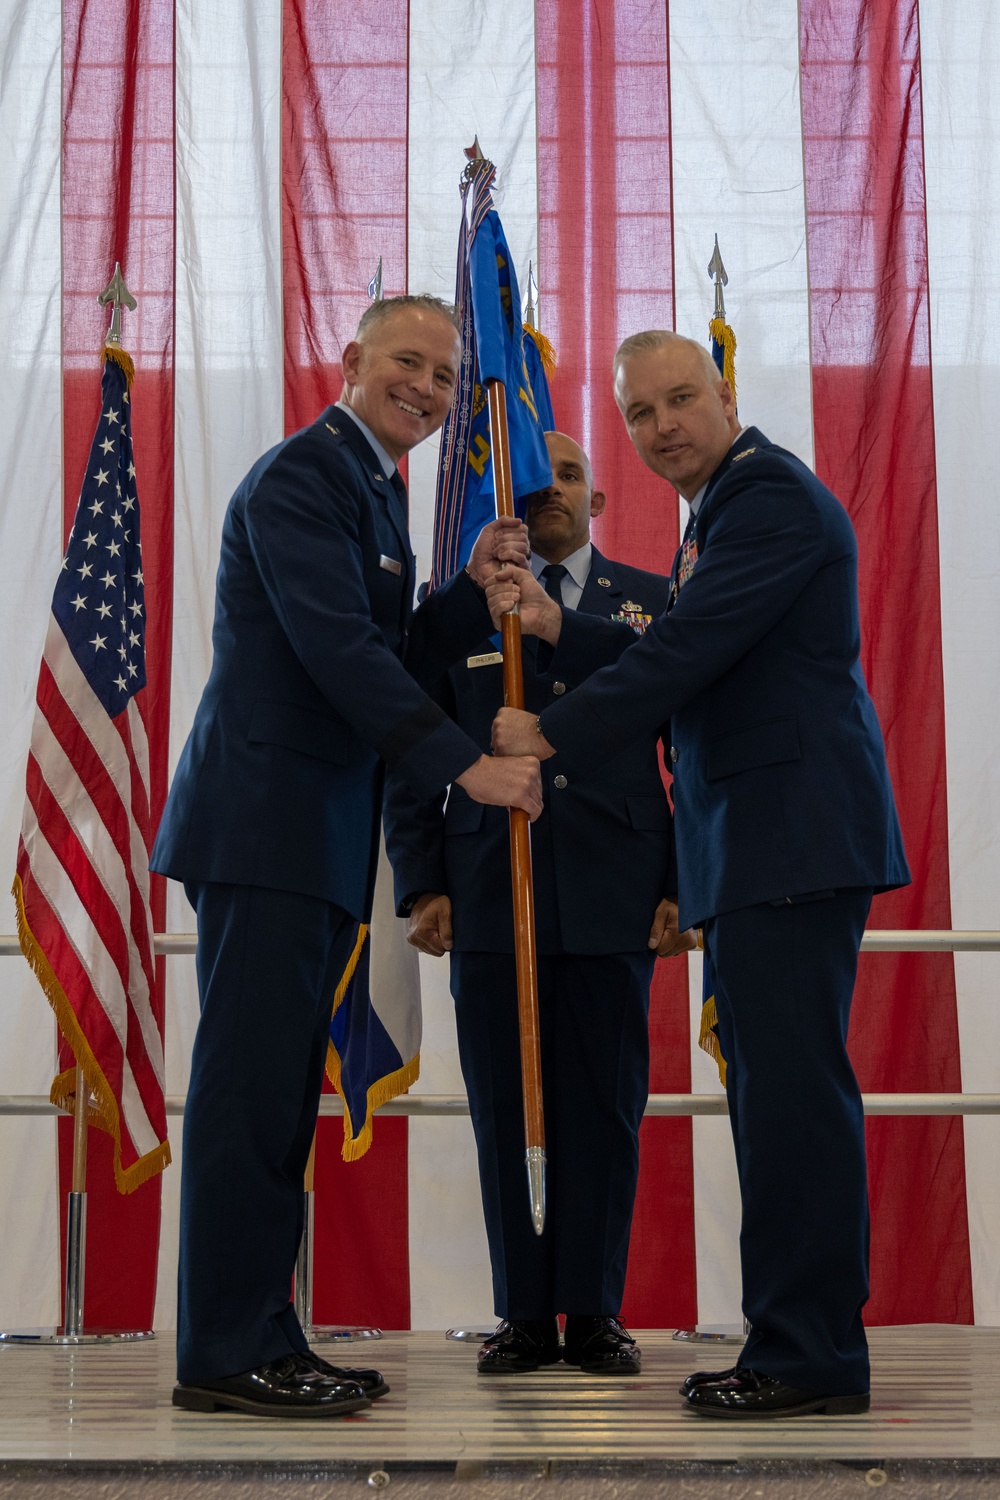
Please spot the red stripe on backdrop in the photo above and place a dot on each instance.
(118, 204)
(343, 193)
(605, 271)
(874, 423)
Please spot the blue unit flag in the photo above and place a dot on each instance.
(494, 347)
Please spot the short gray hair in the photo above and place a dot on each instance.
(376, 312)
(657, 338)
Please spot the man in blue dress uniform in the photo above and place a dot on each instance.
(272, 823)
(604, 887)
(785, 825)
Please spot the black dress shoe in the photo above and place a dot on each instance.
(601, 1346)
(706, 1377)
(747, 1394)
(519, 1345)
(286, 1387)
(370, 1381)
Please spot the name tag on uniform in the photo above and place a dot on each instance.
(390, 564)
(488, 659)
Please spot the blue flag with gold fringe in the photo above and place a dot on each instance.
(495, 346)
(374, 1048)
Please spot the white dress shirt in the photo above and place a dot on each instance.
(577, 567)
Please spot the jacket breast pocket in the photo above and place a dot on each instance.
(462, 815)
(767, 744)
(302, 729)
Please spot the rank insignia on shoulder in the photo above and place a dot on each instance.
(604, 582)
(334, 430)
(488, 659)
(632, 614)
(744, 453)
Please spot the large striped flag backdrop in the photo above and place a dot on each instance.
(248, 163)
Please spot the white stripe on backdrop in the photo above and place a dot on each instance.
(737, 169)
(30, 541)
(961, 130)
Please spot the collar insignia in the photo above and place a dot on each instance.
(744, 453)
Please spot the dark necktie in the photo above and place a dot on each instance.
(553, 574)
(400, 489)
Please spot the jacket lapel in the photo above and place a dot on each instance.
(379, 483)
(750, 438)
(600, 598)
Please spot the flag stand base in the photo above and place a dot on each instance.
(29, 1337)
(320, 1333)
(470, 1335)
(713, 1333)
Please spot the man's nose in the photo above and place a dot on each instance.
(665, 420)
(422, 380)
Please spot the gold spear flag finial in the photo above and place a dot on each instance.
(723, 337)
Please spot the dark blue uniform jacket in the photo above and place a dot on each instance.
(602, 850)
(280, 782)
(780, 780)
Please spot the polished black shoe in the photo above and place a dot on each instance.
(286, 1387)
(600, 1346)
(707, 1377)
(747, 1394)
(519, 1345)
(370, 1381)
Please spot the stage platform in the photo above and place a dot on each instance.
(97, 1421)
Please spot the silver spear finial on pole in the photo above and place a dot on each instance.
(375, 285)
(119, 295)
(718, 270)
(531, 299)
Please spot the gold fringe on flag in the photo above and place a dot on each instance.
(722, 334)
(104, 1111)
(384, 1089)
(545, 349)
(120, 357)
(708, 1039)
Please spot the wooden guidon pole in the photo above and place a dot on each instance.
(520, 852)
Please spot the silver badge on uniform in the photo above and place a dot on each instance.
(390, 564)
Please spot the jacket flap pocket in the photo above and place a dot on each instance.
(302, 729)
(761, 745)
(462, 815)
(649, 813)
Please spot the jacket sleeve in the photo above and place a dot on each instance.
(764, 544)
(303, 527)
(586, 643)
(414, 829)
(448, 625)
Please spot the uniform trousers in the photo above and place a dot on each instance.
(268, 966)
(593, 1025)
(783, 979)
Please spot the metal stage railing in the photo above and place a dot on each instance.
(881, 940)
(876, 940)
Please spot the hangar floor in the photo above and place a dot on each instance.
(97, 1420)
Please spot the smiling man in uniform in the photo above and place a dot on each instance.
(786, 826)
(272, 823)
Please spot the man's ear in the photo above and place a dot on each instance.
(350, 362)
(598, 500)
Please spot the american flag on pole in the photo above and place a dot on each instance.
(82, 883)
